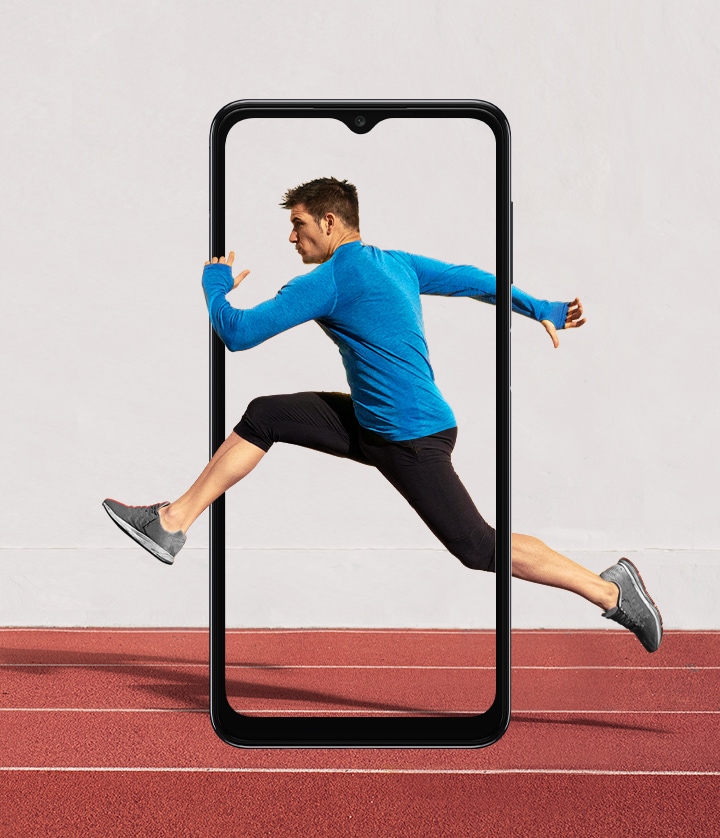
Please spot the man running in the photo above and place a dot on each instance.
(367, 301)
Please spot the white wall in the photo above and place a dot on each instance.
(106, 110)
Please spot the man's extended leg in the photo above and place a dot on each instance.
(619, 590)
(161, 528)
(422, 472)
(322, 421)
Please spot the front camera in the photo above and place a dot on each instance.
(360, 121)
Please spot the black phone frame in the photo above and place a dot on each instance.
(470, 731)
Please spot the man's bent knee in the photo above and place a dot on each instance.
(256, 423)
(476, 551)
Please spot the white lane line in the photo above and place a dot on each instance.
(106, 630)
(291, 666)
(102, 710)
(108, 665)
(263, 630)
(362, 711)
(624, 712)
(385, 771)
(239, 631)
(336, 712)
(378, 630)
(686, 668)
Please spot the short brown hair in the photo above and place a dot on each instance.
(323, 195)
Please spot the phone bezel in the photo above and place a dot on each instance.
(368, 731)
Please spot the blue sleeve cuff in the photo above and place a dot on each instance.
(217, 279)
(557, 314)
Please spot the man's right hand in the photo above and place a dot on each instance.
(230, 259)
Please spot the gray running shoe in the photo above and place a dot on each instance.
(635, 609)
(142, 523)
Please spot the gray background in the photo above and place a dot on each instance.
(105, 116)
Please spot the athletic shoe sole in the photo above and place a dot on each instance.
(642, 592)
(140, 537)
(632, 575)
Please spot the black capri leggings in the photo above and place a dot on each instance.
(420, 469)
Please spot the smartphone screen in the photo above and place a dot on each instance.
(337, 616)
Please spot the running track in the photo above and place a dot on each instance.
(105, 733)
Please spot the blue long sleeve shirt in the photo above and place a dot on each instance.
(367, 301)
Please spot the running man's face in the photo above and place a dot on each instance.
(309, 237)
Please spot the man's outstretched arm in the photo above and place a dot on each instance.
(444, 279)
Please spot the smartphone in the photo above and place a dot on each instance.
(337, 617)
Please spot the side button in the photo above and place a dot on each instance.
(511, 242)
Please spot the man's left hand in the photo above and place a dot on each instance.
(573, 320)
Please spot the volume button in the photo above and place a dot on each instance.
(511, 242)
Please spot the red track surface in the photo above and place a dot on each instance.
(105, 732)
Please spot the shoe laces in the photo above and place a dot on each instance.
(626, 620)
